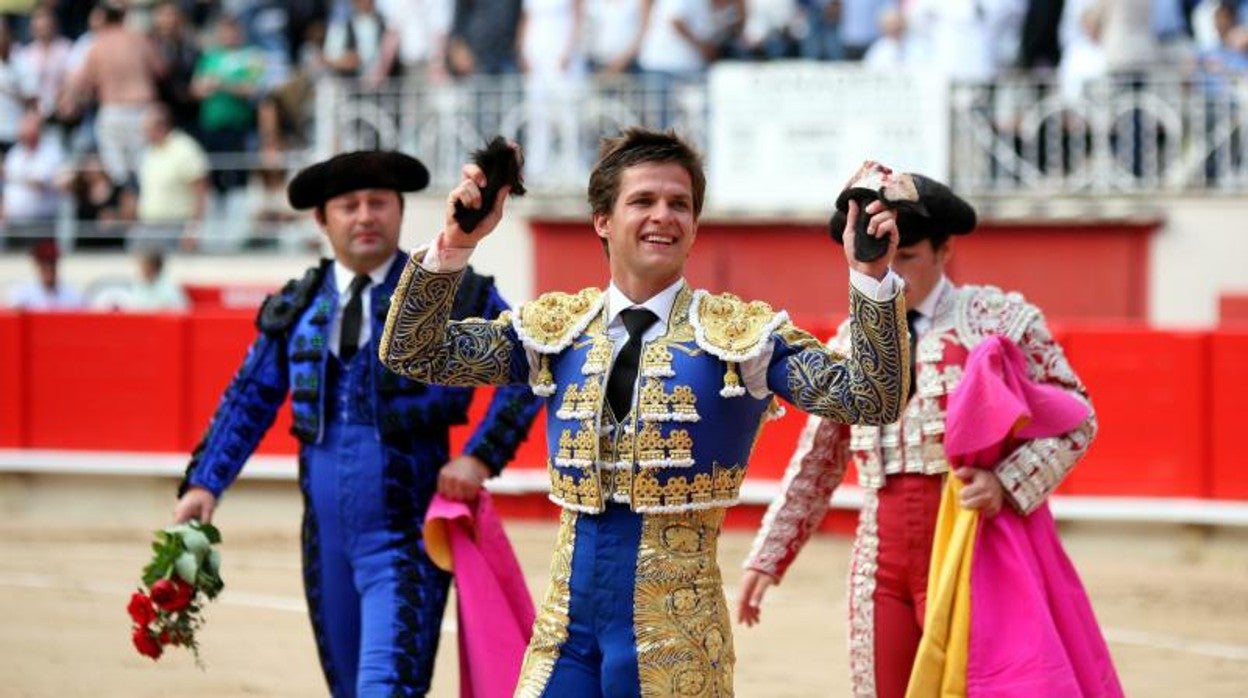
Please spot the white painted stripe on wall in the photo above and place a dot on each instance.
(522, 482)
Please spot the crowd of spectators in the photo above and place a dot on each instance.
(138, 118)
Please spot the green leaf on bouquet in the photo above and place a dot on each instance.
(195, 542)
(214, 535)
(212, 563)
(186, 567)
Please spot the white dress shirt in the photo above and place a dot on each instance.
(927, 307)
(342, 282)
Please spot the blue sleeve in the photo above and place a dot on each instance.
(510, 414)
(245, 413)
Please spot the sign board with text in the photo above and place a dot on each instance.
(785, 137)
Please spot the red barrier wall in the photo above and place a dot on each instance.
(796, 267)
(12, 380)
(1170, 403)
(216, 344)
(1228, 372)
(1151, 393)
(106, 381)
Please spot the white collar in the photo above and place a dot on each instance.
(927, 308)
(660, 303)
(344, 276)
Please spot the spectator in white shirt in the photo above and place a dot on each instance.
(47, 292)
(890, 51)
(44, 62)
(31, 167)
(153, 291)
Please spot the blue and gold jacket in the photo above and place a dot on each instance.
(290, 354)
(686, 443)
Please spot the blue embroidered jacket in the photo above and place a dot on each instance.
(291, 354)
(686, 442)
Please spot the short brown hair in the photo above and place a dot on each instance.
(639, 146)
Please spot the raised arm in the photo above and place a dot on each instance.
(420, 340)
(866, 387)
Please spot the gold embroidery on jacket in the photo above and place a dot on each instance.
(684, 641)
(550, 629)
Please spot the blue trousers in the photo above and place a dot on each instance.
(635, 609)
(375, 598)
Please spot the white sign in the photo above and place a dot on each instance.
(785, 137)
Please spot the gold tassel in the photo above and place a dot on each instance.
(732, 382)
(545, 384)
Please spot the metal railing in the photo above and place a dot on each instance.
(559, 124)
(1140, 135)
(1017, 136)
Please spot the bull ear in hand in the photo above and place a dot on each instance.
(502, 164)
(874, 181)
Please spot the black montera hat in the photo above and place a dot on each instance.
(947, 214)
(362, 169)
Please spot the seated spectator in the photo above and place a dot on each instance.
(31, 168)
(103, 211)
(274, 222)
(153, 291)
(47, 292)
(173, 183)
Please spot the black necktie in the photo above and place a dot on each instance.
(353, 318)
(912, 317)
(624, 370)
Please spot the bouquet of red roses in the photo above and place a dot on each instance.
(183, 573)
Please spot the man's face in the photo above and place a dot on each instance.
(46, 269)
(362, 227)
(651, 226)
(921, 265)
(155, 128)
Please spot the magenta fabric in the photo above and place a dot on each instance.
(495, 610)
(1033, 631)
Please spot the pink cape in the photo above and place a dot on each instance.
(1032, 629)
(495, 609)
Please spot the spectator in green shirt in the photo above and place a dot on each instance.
(227, 83)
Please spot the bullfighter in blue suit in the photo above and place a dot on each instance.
(374, 445)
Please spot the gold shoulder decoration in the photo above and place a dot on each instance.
(548, 324)
(730, 328)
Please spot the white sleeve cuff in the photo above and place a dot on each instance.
(439, 257)
(877, 290)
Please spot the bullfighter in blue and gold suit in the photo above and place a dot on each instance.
(374, 445)
(656, 393)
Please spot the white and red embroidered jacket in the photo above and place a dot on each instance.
(964, 316)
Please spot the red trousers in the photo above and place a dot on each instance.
(905, 524)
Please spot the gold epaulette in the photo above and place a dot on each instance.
(730, 328)
(549, 323)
